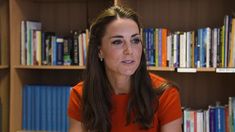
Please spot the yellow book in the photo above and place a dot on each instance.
(222, 47)
(232, 45)
(156, 46)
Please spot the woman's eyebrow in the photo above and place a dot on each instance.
(120, 36)
(116, 36)
(137, 34)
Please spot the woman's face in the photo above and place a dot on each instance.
(121, 47)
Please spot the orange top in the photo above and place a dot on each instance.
(169, 108)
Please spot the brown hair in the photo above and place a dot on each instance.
(97, 91)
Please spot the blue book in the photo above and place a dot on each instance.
(60, 107)
(205, 34)
(66, 106)
(53, 107)
(25, 108)
(59, 50)
(212, 119)
(200, 44)
(146, 38)
(49, 108)
(196, 51)
(43, 108)
(29, 109)
(219, 119)
(37, 107)
(151, 47)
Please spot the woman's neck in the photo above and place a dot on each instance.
(119, 83)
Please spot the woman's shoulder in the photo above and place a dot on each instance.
(78, 88)
(163, 84)
(157, 81)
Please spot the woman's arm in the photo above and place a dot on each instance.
(173, 126)
(75, 126)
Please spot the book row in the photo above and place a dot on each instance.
(204, 47)
(47, 48)
(45, 108)
(215, 119)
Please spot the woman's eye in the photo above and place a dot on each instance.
(117, 42)
(135, 41)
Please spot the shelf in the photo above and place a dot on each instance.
(4, 66)
(51, 67)
(62, 1)
(205, 69)
(153, 68)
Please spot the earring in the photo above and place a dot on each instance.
(101, 59)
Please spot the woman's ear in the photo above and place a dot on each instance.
(100, 54)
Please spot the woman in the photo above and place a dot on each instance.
(118, 94)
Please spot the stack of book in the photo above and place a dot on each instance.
(45, 108)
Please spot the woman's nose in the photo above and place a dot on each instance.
(128, 48)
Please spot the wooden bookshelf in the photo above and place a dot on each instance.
(2, 67)
(52, 67)
(60, 16)
(203, 87)
(198, 90)
(4, 64)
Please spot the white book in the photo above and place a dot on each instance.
(185, 120)
(175, 52)
(207, 121)
(208, 46)
(84, 42)
(214, 47)
(200, 125)
(183, 50)
(188, 50)
(169, 50)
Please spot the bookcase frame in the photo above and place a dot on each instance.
(4, 64)
(198, 90)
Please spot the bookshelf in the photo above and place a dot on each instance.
(205, 86)
(60, 16)
(4, 64)
(198, 90)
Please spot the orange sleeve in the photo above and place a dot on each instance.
(74, 104)
(169, 106)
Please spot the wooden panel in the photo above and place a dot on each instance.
(182, 15)
(96, 7)
(63, 17)
(198, 90)
(5, 97)
(4, 32)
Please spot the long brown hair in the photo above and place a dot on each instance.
(97, 91)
